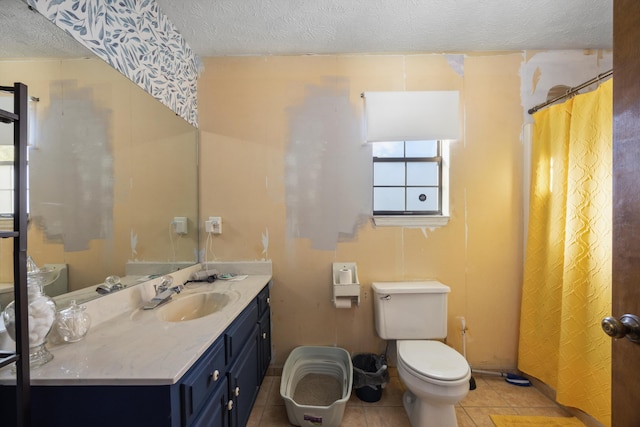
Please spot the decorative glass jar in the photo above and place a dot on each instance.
(73, 323)
(41, 312)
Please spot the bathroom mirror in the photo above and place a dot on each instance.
(110, 167)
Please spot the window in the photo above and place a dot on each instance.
(6, 181)
(411, 183)
(7, 187)
(7, 158)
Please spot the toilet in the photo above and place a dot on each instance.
(436, 376)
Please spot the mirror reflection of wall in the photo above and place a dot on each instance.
(109, 169)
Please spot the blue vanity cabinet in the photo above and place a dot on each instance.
(218, 390)
(95, 406)
(264, 339)
(245, 357)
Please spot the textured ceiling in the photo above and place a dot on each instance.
(281, 27)
(25, 33)
(290, 27)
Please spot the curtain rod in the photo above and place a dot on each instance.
(10, 89)
(572, 91)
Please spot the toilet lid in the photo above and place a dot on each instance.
(432, 359)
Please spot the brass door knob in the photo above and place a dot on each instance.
(628, 326)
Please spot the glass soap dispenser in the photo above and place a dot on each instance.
(73, 323)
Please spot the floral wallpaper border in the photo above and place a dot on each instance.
(138, 40)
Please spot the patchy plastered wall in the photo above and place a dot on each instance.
(282, 162)
(326, 167)
(542, 70)
(74, 158)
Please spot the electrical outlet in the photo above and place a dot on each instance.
(216, 225)
(180, 224)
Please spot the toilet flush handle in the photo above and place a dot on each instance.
(385, 297)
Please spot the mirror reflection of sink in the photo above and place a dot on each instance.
(195, 306)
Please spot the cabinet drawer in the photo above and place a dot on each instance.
(201, 380)
(241, 331)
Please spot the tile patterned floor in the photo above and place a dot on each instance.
(492, 396)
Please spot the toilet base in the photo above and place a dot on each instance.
(428, 414)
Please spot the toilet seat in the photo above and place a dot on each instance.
(432, 360)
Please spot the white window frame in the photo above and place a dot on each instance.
(419, 221)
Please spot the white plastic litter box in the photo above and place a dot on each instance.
(316, 385)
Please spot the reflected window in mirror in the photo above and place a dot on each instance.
(7, 157)
(7, 187)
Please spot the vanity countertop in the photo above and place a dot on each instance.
(131, 346)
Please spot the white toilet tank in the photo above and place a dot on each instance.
(410, 310)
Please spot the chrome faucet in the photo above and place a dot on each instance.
(111, 284)
(164, 292)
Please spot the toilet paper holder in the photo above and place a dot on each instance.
(346, 286)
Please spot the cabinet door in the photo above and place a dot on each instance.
(240, 332)
(216, 412)
(264, 353)
(243, 383)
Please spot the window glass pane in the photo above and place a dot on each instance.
(6, 153)
(388, 173)
(6, 177)
(429, 196)
(6, 188)
(422, 173)
(422, 148)
(388, 149)
(6, 129)
(6, 201)
(6, 134)
(388, 199)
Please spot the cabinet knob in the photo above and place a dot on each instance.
(215, 375)
(237, 391)
(268, 300)
(264, 335)
(230, 405)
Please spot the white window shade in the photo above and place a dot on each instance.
(411, 116)
(6, 129)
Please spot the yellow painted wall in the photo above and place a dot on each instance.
(275, 190)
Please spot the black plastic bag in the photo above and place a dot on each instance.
(370, 370)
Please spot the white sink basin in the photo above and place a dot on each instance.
(195, 306)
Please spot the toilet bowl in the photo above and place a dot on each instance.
(435, 375)
(436, 378)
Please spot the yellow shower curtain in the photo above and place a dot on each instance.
(567, 275)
